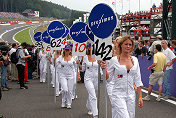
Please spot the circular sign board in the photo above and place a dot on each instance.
(46, 37)
(56, 29)
(37, 36)
(78, 33)
(102, 21)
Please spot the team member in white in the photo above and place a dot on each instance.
(43, 65)
(125, 70)
(52, 68)
(66, 74)
(90, 66)
(58, 67)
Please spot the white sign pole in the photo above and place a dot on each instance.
(55, 80)
(99, 77)
(105, 93)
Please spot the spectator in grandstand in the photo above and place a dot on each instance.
(21, 64)
(158, 67)
(154, 6)
(169, 58)
(161, 5)
(125, 70)
(12, 54)
(158, 41)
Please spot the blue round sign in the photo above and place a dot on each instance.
(102, 21)
(89, 33)
(78, 33)
(37, 36)
(46, 37)
(66, 32)
(56, 29)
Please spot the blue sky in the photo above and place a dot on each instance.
(87, 5)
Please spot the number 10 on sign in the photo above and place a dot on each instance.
(79, 49)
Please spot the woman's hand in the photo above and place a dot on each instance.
(103, 64)
(78, 62)
(140, 101)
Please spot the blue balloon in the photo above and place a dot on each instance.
(78, 33)
(89, 33)
(102, 21)
(56, 29)
(46, 37)
(66, 32)
(37, 36)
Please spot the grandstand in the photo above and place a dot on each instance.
(11, 15)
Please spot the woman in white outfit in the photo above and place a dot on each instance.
(43, 65)
(58, 67)
(90, 66)
(66, 74)
(125, 70)
(52, 68)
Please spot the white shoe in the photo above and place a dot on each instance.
(89, 113)
(63, 105)
(158, 99)
(146, 98)
(57, 95)
(95, 116)
(68, 106)
(76, 96)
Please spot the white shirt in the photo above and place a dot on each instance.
(12, 50)
(169, 56)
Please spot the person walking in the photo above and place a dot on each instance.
(125, 70)
(159, 66)
(66, 74)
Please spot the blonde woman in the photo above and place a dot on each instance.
(66, 74)
(125, 70)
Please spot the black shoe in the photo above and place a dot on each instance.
(24, 87)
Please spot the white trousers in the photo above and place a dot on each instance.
(92, 88)
(123, 107)
(109, 88)
(74, 87)
(43, 68)
(67, 88)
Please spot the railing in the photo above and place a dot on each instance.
(142, 33)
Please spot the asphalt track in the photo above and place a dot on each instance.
(8, 31)
(38, 102)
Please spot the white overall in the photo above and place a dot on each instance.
(123, 93)
(91, 83)
(43, 67)
(67, 79)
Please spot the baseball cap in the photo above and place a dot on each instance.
(67, 47)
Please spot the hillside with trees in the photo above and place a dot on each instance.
(47, 9)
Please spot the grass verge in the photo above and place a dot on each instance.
(24, 36)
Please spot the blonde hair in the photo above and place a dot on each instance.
(121, 41)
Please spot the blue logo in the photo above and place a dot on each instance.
(66, 32)
(56, 29)
(37, 36)
(89, 33)
(78, 33)
(46, 37)
(102, 21)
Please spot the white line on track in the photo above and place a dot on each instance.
(155, 95)
(10, 30)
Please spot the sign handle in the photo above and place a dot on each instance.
(55, 80)
(105, 93)
(99, 77)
